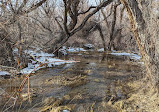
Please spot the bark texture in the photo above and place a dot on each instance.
(144, 25)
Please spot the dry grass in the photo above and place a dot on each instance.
(68, 81)
(54, 105)
(145, 99)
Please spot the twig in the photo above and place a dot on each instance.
(27, 76)
(29, 91)
(92, 107)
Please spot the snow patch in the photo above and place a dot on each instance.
(131, 55)
(37, 54)
(39, 58)
(65, 111)
(101, 49)
(142, 63)
(4, 73)
(88, 46)
(63, 50)
(77, 49)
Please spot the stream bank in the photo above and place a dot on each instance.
(93, 84)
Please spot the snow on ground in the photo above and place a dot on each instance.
(142, 63)
(101, 50)
(65, 111)
(72, 49)
(131, 55)
(37, 53)
(88, 46)
(64, 50)
(40, 58)
(4, 73)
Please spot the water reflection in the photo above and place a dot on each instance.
(97, 78)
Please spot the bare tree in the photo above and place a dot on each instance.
(144, 25)
(11, 12)
(111, 24)
(70, 27)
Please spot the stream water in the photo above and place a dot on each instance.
(89, 85)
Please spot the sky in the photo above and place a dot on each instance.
(93, 2)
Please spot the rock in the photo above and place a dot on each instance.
(88, 46)
(65, 110)
(5, 74)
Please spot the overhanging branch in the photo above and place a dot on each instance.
(103, 4)
(91, 7)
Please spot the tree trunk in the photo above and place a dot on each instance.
(145, 30)
(102, 37)
(111, 42)
(6, 51)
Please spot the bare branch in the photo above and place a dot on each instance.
(103, 4)
(33, 7)
(58, 22)
(91, 7)
(21, 6)
(11, 6)
(43, 25)
(65, 18)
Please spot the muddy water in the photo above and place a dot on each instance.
(91, 85)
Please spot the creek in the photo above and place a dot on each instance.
(89, 85)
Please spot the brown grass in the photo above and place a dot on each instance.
(145, 99)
